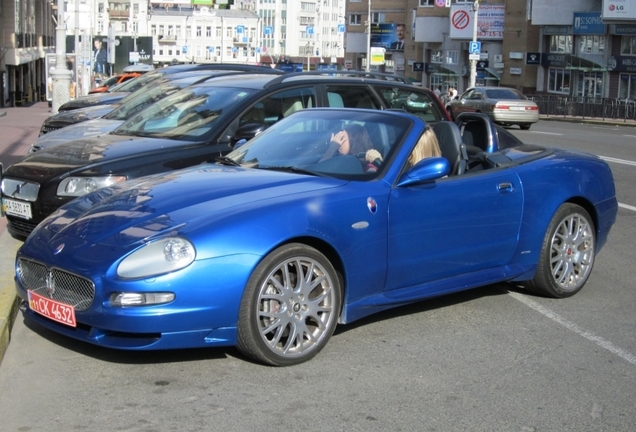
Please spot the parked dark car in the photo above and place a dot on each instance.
(281, 241)
(122, 91)
(66, 118)
(189, 127)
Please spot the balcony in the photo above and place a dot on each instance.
(167, 38)
(119, 14)
(243, 40)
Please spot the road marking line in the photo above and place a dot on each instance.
(620, 161)
(628, 207)
(625, 355)
(547, 133)
(631, 136)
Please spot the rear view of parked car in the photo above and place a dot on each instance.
(505, 106)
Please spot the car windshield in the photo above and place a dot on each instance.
(504, 94)
(303, 143)
(142, 99)
(186, 115)
(137, 83)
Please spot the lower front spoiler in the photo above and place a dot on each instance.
(200, 338)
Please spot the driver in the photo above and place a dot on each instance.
(354, 140)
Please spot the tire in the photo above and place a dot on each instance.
(284, 319)
(567, 254)
(525, 126)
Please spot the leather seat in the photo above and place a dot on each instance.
(451, 145)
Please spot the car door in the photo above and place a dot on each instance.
(453, 226)
(464, 103)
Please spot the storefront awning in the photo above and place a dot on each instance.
(495, 75)
(441, 70)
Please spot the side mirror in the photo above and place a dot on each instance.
(425, 170)
(247, 132)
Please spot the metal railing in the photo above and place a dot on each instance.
(586, 107)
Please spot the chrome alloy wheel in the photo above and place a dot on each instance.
(572, 252)
(296, 307)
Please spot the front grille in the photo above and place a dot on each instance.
(20, 227)
(56, 284)
(20, 189)
(47, 129)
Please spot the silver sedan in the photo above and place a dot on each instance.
(505, 106)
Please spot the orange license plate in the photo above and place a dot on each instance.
(52, 309)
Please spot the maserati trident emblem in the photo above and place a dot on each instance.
(50, 284)
(59, 249)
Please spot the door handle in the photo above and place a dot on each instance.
(506, 187)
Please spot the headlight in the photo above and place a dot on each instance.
(159, 257)
(78, 186)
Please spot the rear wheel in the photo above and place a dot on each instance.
(567, 254)
(290, 306)
(525, 126)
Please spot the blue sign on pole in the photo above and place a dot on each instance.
(474, 47)
(341, 28)
(268, 30)
(310, 30)
(240, 29)
(184, 49)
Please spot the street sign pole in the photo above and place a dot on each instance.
(473, 61)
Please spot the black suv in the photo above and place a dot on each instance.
(192, 126)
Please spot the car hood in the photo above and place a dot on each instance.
(86, 152)
(86, 129)
(66, 118)
(94, 99)
(180, 202)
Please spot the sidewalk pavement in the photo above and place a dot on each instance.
(19, 127)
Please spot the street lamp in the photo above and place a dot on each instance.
(368, 66)
(61, 75)
(473, 62)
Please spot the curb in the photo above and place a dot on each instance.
(8, 297)
(591, 120)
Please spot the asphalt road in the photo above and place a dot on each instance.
(492, 359)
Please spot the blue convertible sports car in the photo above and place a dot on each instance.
(276, 243)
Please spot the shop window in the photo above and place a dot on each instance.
(559, 81)
(627, 86)
(561, 44)
(590, 84)
(591, 44)
(628, 45)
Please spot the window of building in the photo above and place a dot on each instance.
(218, 32)
(561, 44)
(135, 27)
(188, 31)
(153, 29)
(177, 31)
(161, 30)
(377, 17)
(559, 81)
(452, 57)
(198, 31)
(355, 19)
(124, 27)
(101, 8)
(592, 44)
(426, 3)
(208, 31)
(628, 45)
(229, 32)
(307, 7)
(135, 8)
(627, 86)
(100, 27)
(170, 30)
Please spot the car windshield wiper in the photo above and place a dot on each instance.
(224, 160)
(292, 169)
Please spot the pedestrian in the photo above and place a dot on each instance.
(438, 91)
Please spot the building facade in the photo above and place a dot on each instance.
(574, 48)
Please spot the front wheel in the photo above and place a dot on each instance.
(567, 254)
(290, 306)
